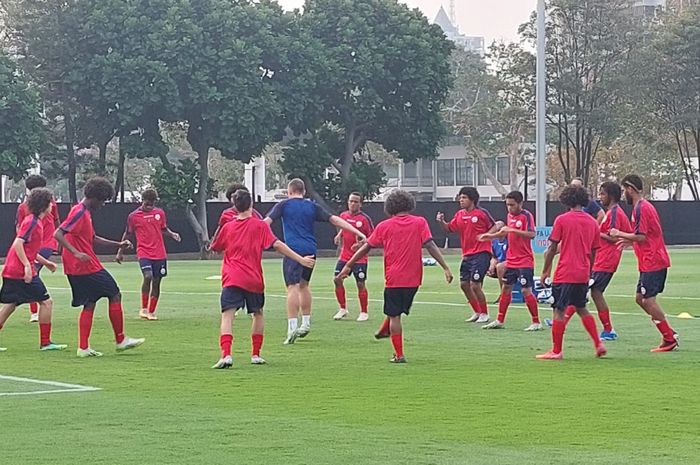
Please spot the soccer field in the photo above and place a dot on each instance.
(466, 396)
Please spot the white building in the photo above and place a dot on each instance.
(474, 44)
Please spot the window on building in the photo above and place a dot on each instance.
(446, 172)
(410, 174)
(464, 172)
(491, 165)
(503, 170)
(426, 173)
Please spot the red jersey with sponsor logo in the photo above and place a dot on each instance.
(231, 213)
(519, 252)
(607, 258)
(31, 232)
(148, 227)
(48, 222)
(243, 241)
(469, 225)
(78, 231)
(402, 238)
(578, 235)
(651, 253)
(362, 223)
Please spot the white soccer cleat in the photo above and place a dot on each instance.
(34, 318)
(152, 316)
(129, 343)
(495, 324)
(291, 338)
(89, 352)
(363, 316)
(483, 318)
(534, 327)
(473, 318)
(143, 314)
(257, 360)
(223, 363)
(303, 331)
(342, 313)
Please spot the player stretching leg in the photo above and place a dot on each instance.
(50, 222)
(577, 237)
(243, 240)
(650, 249)
(298, 218)
(363, 223)
(403, 237)
(147, 225)
(520, 261)
(471, 222)
(20, 278)
(88, 279)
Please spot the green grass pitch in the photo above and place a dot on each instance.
(466, 396)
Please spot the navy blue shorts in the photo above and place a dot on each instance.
(524, 276)
(153, 268)
(295, 272)
(359, 271)
(233, 298)
(45, 252)
(16, 291)
(474, 267)
(652, 283)
(569, 294)
(89, 288)
(398, 300)
(601, 280)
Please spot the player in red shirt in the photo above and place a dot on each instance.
(520, 261)
(471, 222)
(147, 225)
(20, 278)
(648, 241)
(403, 237)
(576, 237)
(50, 222)
(88, 279)
(243, 241)
(231, 213)
(363, 223)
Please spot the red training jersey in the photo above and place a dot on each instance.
(31, 232)
(470, 225)
(651, 253)
(519, 252)
(148, 227)
(243, 242)
(78, 231)
(403, 238)
(578, 236)
(231, 213)
(363, 223)
(48, 222)
(607, 259)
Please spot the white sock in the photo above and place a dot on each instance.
(306, 321)
(292, 325)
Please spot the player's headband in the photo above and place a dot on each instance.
(629, 184)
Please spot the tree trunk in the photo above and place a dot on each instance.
(102, 160)
(201, 197)
(119, 184)
(491, 176)
(198, 232)
(69, 130)
(313, 193)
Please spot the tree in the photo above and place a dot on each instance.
(383, 77)
(21, 127)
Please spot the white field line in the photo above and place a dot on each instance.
(66, 387)
(416, 302)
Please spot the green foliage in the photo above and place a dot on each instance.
(178, 183)
(21, 127)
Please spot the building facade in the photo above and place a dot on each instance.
(474, 44)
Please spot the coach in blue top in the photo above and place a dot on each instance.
(593, 208)
(299, 216)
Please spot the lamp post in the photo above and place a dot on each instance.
(541, 122)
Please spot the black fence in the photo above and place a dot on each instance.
(681, 222)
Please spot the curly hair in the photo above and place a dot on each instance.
(149, 195)
(633, 181)
(515, 195)
(471, 193)
(399, 201)
(236, 186)
(98, 188)
(242, 200)
(39, 200)
(613, 190)
(574, 196)
(34, 181)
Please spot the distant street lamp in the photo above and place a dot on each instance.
(541, 115)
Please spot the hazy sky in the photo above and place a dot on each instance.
(493, 19)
